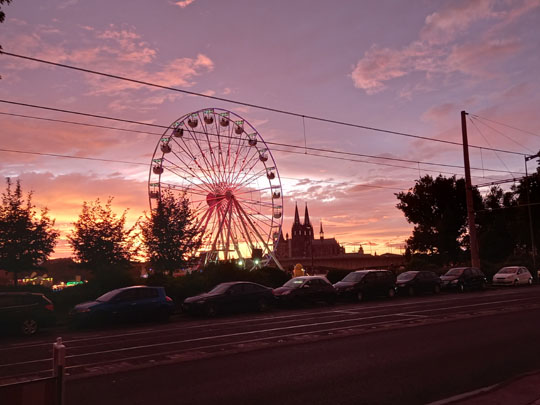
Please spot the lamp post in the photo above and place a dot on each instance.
(531, 230)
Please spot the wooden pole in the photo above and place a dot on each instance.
(475, 256)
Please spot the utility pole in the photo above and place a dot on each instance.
(475, 256)
(531, 230)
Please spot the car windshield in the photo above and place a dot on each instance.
(508, 270)
(107, 296)
(352, 277)
(219, 289)
(455, 272)
(408, 275)
(294, 283)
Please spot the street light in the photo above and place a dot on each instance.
(531, 230)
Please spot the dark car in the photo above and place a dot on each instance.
(416, 282)
(464, 278)
(25, 312)
(230, 297)
(124, 304)
(306, 289)
(367, 283)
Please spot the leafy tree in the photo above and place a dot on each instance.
(2, 14)
(100, 240)
(26, 239)
(496, 223)
(169, 234)
(438, 209)
(2, 17)
(522, 227)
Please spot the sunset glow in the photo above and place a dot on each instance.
(407, 67)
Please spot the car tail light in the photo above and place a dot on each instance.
(168, 299)
(50, 307)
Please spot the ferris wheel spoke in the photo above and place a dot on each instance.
(193, 173)
(252, 225)
(254, 176)
(208, 170)
(245, 228)
(213, 161)
(235, 143)
(195, 157)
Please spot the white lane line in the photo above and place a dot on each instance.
(123, 349)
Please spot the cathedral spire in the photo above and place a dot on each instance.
(321, 232)
(306, 217)
(296, 216)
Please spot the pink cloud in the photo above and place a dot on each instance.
(438, 52)
(442, 26)
(184, 3)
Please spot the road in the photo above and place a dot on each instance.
(406, 350)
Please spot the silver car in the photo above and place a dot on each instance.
(513, 275)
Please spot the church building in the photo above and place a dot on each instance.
(302, 243)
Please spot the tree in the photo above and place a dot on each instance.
(26, 239)
(438, 209)
(2, 17)
(169, 234)
(496, 225)
(2, 14)
(100, 239)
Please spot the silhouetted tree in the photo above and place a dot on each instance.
(26, 239)
(438, 209)
(169, 234)
(496, 224)
(100, 240)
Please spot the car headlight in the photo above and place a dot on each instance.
(454, 281)
(83, 310)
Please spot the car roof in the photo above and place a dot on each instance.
(310, 277)
(369, 270)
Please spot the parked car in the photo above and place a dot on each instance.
(415, 282)
(124, 304)
(513, 275)
(230, 297)
(464, 278)
(25, 312)
(306, 289)
(367, 283)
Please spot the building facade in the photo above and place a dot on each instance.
(302, 242)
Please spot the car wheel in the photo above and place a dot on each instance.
(331, 300)
(360, 296)
(436, 289)
(483, 285)
(516, 282)
(391, 293)
(210, 310)
(262, 305)
(29, 327)
(530, 281)
(410, 291)
(460, 288)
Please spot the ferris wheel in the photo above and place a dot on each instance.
(222, 165)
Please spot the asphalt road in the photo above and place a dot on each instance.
(408, 351)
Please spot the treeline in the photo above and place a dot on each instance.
(100, 240)
(437, 208)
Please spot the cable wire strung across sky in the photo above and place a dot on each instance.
(275, 110)
(305, 148)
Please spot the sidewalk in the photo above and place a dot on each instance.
(523, 390)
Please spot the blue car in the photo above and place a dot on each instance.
(124, 304)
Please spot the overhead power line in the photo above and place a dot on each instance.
(260, 107)
(58, 155)
(506, 125)
(275, 150)
(280, 144)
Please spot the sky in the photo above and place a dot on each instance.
(407, 67)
